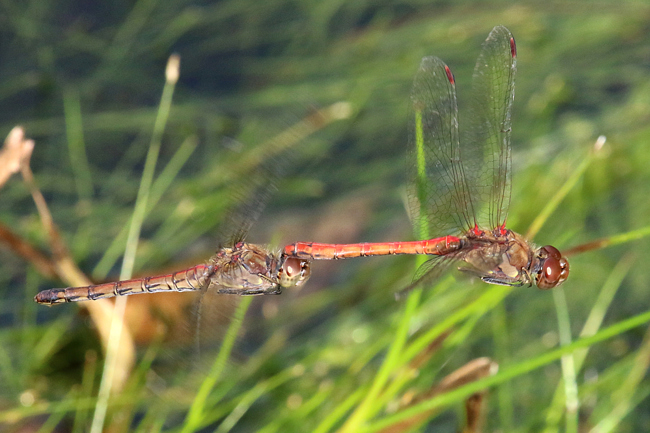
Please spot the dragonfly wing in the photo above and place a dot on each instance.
(485, 142)
(439, 197)
(428, 272)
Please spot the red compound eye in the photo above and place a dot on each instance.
(294, 272)
(554, 269)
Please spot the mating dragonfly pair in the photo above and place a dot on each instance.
(458, 184)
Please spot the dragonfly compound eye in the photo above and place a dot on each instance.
(554, 269)
(294, 272)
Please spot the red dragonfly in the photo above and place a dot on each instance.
(460, 184)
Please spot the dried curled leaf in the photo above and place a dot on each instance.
(15, 152)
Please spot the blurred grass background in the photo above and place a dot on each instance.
(85, 80)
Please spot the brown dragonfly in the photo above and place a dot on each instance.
(243, 269)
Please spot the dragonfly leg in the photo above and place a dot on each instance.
(251, 292)
(502, 282)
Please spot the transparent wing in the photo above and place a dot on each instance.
(459, 182)
(485, 143)
(439, 197)
(428, 273)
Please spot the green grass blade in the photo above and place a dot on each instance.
(592, 324)
(76, 145)
(139, 213)
(194, 418)
(568, 362)
(512, 372)
(562, 192)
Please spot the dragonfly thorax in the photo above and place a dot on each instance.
(505, 257)
(246, 269)
(498, 257)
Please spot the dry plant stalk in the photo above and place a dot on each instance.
(15, 153)
(474, 370)
(15, 156)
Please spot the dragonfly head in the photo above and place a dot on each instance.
(552, 269)
(293, 272)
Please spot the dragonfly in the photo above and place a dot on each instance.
(460, 181)
(237, 268)
(241, 269)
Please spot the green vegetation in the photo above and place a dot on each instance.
(341, 354)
